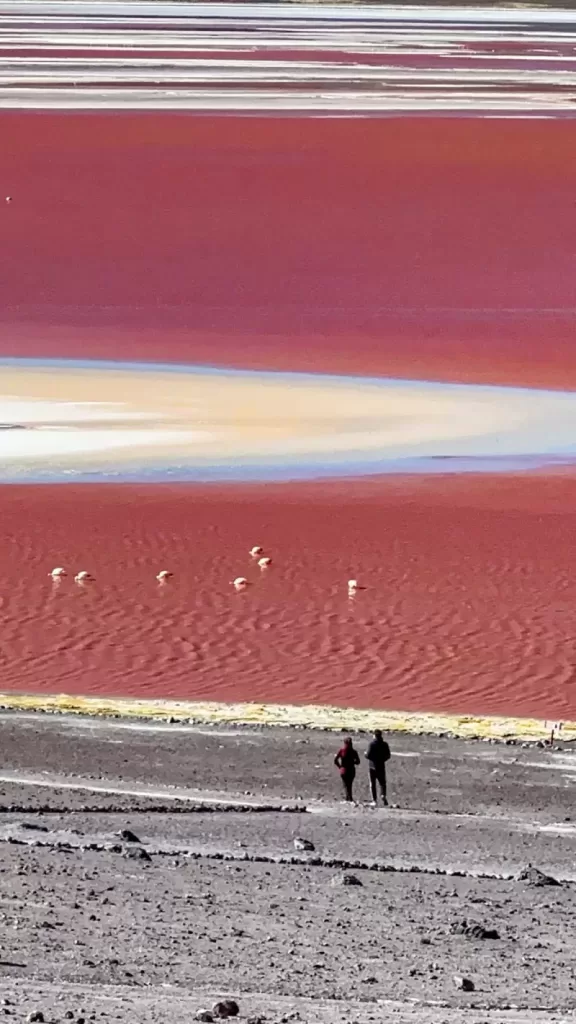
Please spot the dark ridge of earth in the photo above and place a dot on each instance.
(150, 870)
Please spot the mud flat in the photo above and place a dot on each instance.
(210, 897)
(216, 424)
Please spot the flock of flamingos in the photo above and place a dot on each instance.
(240, 583)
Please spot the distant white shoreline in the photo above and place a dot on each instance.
(280, 11)
(435, 61)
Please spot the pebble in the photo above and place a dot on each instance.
(128, 836)
(346, 879)
(465, 984)
(473, 931)
(303, 844)
(137, 853)
(533, 876)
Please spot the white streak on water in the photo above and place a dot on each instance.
(384, 60)
(55, 429)
(23, 444)
(31, 410)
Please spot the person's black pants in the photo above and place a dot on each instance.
(378, 781)
(347, 783)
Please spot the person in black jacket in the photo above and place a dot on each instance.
(377, 755)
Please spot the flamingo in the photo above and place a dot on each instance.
(81, 577)
(256, 550)
(57, 573)
(264, 562)
(163, 575)
(240, 582)
(8, 199)
(352, 586)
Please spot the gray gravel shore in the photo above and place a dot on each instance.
(211, 897)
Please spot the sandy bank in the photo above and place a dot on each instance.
(108, 414)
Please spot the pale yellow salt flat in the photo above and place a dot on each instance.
(308, 716)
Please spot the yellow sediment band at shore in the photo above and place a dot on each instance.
(306, 716)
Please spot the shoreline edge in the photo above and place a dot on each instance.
(317, 717)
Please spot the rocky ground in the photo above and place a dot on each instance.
(213, 894)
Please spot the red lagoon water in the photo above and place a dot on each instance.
(409, 247)
(469, 599)
(420, 248)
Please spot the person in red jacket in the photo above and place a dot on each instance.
(346, 760)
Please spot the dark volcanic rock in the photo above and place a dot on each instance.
(465, 984)
(137, 853)
(533, 876)
(225, 1008)
(346, 879)
(473, 931)
(303, 844)
(128, 836)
